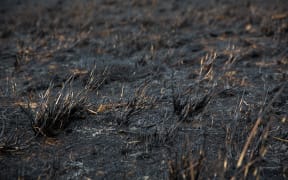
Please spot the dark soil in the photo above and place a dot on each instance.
(173, 89)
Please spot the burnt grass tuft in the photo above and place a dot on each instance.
(143, 89)
(54, 113)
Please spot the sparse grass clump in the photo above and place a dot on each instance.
(54, 113)
(137, 103)
(184, 166)
(95, 80)
(11, 140)
(189, 107)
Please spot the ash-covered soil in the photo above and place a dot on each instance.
(143, 89)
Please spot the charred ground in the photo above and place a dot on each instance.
(143, 89)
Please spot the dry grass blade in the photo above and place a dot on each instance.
(255, 128)
(206, 69)
(280, 139)
(54, 113)
(95, 79)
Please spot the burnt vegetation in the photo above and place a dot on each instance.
(55, 112)
(143, 90)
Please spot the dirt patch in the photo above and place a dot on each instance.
(143, 89)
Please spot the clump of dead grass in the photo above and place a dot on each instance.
(186, 166)
(243, 155)
(137, 103)
(190, 106)
(55, 112)
(94, 80)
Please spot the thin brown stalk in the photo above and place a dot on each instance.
(255, 128)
